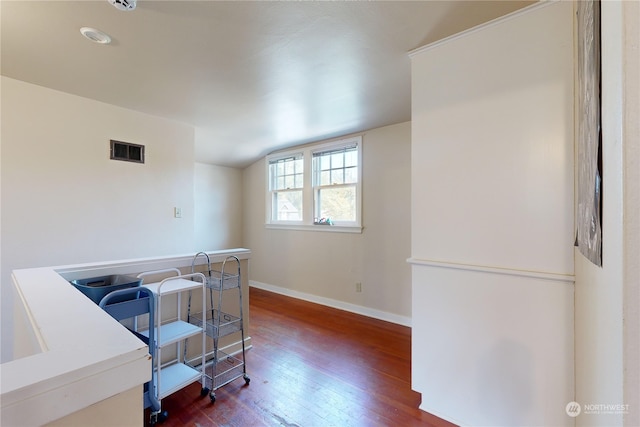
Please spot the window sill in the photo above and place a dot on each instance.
(303, 227)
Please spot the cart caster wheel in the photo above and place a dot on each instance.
(247, 380)
(212, 396)
(204, 391)
(158, 417)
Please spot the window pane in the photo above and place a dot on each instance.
(289, 181)
(337, 204)
(337, 176)
(316, 170)
(325, 163)
(288, 167)
(299, 180)
(325, 178)
(351, 158)
(351, 175)
(337, 160)
(283, 173)
(288, 205)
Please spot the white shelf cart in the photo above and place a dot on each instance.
(175, 374)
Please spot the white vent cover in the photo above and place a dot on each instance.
(123, 4)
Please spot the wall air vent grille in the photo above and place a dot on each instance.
(127, 151)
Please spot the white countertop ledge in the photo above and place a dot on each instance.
(71, 354)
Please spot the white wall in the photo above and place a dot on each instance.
(324, 266)
(492, 221)
(631, 136)
(65, 202)
(607, 365)
(217, 207)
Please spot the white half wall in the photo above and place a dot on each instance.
(328, 264)
(65, 202)
(492, 221)
(491, 348)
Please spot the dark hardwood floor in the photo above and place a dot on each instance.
(313, 366)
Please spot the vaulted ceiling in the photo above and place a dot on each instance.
(251, 77)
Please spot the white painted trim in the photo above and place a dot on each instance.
(129, 266)
(340, 305)
(568, 278)
(235, 348)
(472, 30)
(327, 228)
(440, 415)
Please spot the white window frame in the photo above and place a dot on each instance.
(308, 196)
(271, 191)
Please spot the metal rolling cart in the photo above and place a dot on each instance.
(221, 368)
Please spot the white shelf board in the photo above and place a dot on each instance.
(176, 377)
(174, 332)
(173, 286)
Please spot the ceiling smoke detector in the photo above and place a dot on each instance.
(123, 4)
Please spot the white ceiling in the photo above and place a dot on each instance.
(252, 77)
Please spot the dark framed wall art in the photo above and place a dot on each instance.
(589, 138)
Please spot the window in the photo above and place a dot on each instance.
(335, 181)
(286, 186)
(317, 187)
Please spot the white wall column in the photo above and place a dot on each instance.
(492, 221)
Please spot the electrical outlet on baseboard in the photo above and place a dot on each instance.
(358, 286)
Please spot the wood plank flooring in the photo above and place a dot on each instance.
(312, 366)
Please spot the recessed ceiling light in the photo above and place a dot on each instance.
(95, 36)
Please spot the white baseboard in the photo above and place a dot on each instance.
(428, 410)
(235, 348)
(341, 305)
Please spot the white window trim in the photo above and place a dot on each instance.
(306, 227)
(308, 197)
(269, 212)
